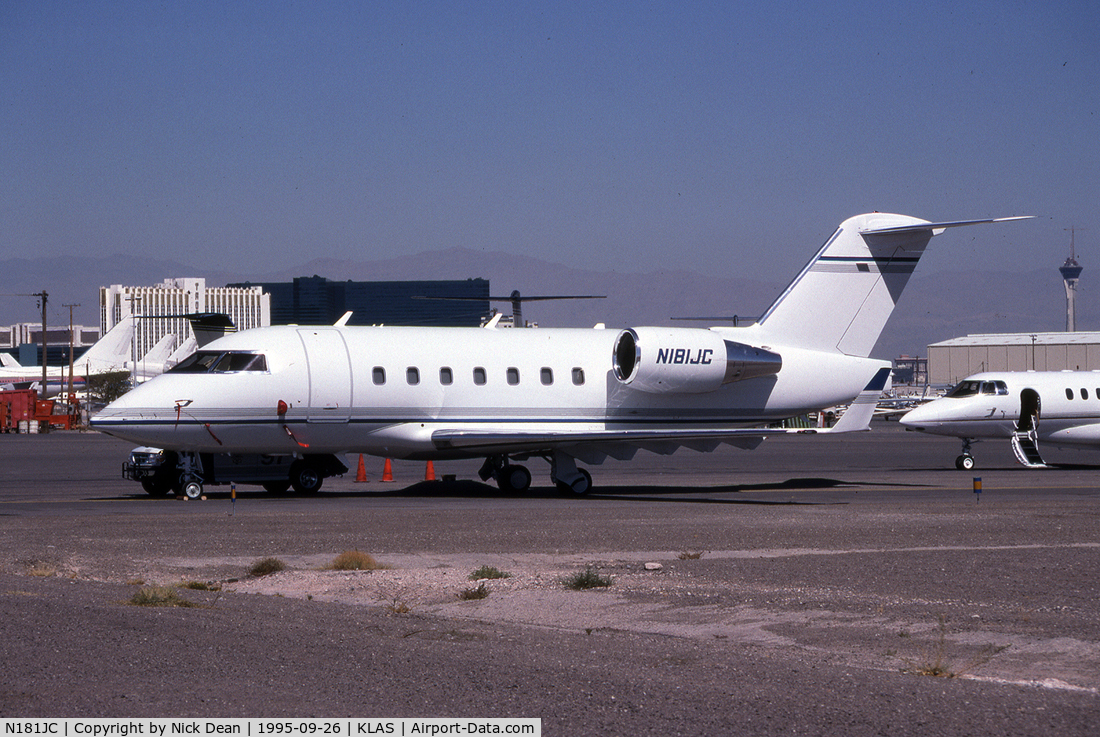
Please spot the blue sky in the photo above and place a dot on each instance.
(725, 138)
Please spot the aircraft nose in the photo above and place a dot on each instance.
(919, 418)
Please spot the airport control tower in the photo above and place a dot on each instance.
(1071, 271)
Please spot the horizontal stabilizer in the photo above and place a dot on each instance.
(209, 326)
(934, 227)
(857, 418)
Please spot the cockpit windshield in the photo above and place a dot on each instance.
(971, 388)
(220, 362)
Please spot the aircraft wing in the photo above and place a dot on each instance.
(617, 443)
(594, 447)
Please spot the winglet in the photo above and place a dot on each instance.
(857, 418)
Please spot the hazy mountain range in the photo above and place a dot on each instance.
(934, 306)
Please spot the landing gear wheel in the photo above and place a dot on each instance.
(514, 479)
(276, 487)
(156, 486)
(192, 489)
(305, 478)
(579, 487)
(964, 462)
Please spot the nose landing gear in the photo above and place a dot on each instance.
(965, 462)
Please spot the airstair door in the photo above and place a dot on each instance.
(329, 368)
(1025, 441)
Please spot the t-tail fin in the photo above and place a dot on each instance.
(841, 301)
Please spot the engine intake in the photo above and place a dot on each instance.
(687, 360)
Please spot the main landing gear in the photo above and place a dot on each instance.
(965, 462)
(510, 477)
(514, 478)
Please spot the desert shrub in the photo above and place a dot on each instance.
(266, 567)
(489, 572)
(158, 596)
(589, 578)
(353, 560)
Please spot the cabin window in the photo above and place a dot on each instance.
(513, 376)
(479, 376)
(546, 376)
(446, 376)
(1084, 393)
(379, 375)
(412, 375)
(1069, 393)
(578, 376)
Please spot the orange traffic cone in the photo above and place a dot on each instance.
(387, 471)
(361, 474)
(429, 472)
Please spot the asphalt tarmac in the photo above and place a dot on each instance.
(811, 586)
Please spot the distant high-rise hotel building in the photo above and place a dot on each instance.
(161, 308)
(315, 300)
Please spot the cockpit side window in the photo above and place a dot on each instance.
(217, 362)
(1002, 388)
(197, 363)
(965, 389)
(240, 362)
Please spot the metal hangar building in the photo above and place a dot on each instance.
(951, 361)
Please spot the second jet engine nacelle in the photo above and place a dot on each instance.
(686, 360)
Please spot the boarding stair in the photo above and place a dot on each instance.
(1025, 446)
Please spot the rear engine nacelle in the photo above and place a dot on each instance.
(686, 360)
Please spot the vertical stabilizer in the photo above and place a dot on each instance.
(111, 352)
(843, 298)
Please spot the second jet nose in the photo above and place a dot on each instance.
(920, 418)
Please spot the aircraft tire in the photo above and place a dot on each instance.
(305, 477)
(514, 478)
(156, 486)
(964, 462)
(192, 489)
(580, 487)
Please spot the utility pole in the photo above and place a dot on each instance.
(43, 296)
(134, 300)
(70, 397)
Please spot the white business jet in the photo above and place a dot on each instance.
(560, 394)
(1010, 405)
